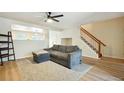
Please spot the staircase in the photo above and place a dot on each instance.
(94, 43)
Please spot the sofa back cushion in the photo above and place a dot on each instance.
(55, 47)
(71, 49)
(62, 48)
(65, 49)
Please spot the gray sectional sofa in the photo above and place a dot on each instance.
(67, 56)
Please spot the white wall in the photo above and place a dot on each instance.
(54, 38)
(76, 40)
(111, 32)
(75, 35)
(23, 48)
(66, 41)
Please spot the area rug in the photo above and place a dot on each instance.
(50, 71)
(82, 68)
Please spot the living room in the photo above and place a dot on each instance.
(86, 42)
(61, 46)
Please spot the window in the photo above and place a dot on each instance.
(20, 32)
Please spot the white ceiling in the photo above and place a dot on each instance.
(70, 19)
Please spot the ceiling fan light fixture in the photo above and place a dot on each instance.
(49, 20)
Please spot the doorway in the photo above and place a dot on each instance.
(66, 41)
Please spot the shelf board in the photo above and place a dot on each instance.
(5, 48)
(5, 42)
(6, 55)
(4, 35)
(12, 60)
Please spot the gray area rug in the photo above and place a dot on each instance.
(82, 68)
(50, 71)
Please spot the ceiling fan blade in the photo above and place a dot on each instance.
(57, 16)
(55, 20)
(49, 13)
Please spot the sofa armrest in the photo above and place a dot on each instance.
(74, 58)
(76, 53)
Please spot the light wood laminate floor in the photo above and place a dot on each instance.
(103, 69)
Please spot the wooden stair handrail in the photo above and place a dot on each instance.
(91, 36)
(82, 30)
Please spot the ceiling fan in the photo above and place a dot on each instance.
(51, 17)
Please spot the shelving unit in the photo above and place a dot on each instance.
(9, 47)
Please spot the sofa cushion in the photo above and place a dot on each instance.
(40, 52)
(55, 47)
(62, 48)
(59, 55)
(71, 49)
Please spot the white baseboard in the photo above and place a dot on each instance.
(23, 57)
(114, 57)
(91, 57)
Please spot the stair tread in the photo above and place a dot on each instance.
(91, 46)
